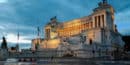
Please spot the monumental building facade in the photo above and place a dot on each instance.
(94, 32)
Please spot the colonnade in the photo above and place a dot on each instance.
(99, 21)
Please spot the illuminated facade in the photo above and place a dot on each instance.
(94, 32)
(95, 25)
(36, 42)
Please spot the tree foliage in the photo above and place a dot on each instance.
(4, 43)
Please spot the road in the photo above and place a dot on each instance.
(70, 62)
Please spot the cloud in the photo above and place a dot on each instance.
(26, 15)
(123, 16)
(125, 31)
(3, 1)
(122, 19)
(24, 41)
(12, 38)
(2, 27)
(25, 30)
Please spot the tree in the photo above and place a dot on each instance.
(4, 44)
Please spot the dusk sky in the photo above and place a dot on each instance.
(26, 15)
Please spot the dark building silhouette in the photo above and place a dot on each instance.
(126, 39)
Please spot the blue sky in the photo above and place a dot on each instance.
(25, 15)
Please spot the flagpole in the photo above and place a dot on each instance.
(18, 42)
(38, 32)
(38, 37)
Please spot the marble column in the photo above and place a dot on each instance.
(94, 21)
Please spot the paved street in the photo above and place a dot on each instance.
(70, 62)
(85, 63)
